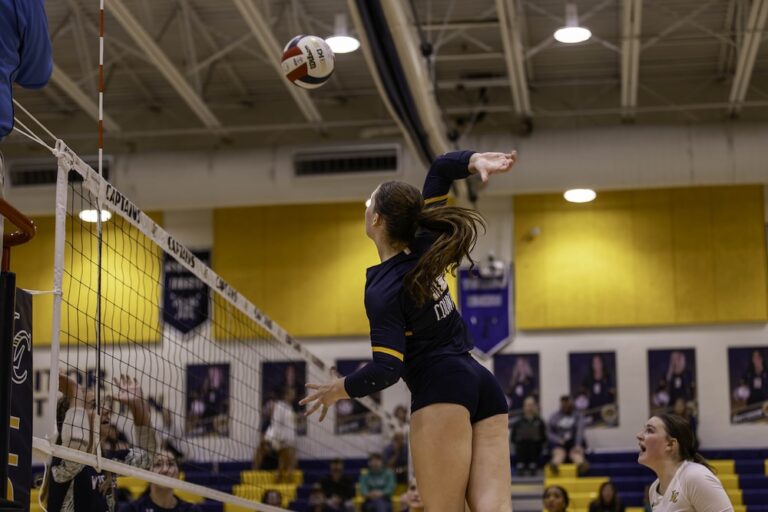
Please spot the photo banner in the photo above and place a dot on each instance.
(672, 379)
(352, 417)
(518, 376)
(593, 387)
(208, 400)
(748, 380)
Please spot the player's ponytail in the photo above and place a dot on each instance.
(678, 428)
(456, 229)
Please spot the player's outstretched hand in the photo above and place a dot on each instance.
(488, 164)
(324, 396)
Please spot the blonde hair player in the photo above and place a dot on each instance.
(685, 480)
(459, 412)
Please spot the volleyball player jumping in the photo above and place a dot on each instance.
(459, 414)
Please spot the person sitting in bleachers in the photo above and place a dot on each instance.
(377, 485)
(396, 457)
(272, 497)
(317, 502)
(159, 498)
(607, 500)
(527, 436)
(566, 437)
(411, 500)
(555, 499)
(339, 489)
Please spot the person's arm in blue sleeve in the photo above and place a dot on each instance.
(36, 60)
(388, 347)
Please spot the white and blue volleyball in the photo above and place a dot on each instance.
(308, 61)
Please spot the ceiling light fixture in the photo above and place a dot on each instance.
(90, 215)
(572, 33)
(341, 42)
(580, 195)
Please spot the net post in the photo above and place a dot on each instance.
(58, 280)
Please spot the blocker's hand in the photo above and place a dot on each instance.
(325, 395)
(488, 164)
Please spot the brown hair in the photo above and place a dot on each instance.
(678, 428)
(402, 207)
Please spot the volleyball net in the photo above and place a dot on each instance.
(158, 357)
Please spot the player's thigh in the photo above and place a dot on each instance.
(441, 446)
(490, 484)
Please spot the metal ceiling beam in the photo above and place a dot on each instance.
(514, 56)
(631, 11)
(85, 101)
(753, 36)
(163, 63)
(726, 50)
(262, 32)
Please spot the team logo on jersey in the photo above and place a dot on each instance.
(674, 496)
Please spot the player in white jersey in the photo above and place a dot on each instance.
(686, 482)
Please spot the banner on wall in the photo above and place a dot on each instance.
(352, 417)
(672, 382)
(283, 381)
(185, 297)
(748, 377)
(484, 301)
(208, 400)
(518, 375)
(593, 387)
(20, 455)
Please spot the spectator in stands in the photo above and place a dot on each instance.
(566, 437)
(272, 497)
(685, 480)
(410, 501)
(607, 500)
(317, 502)
(396, 457)
(265, 458)
(159, 498)
(377, 485)
(281, 434)
(338, 488)
(555, 499)
(681, 408)
(528, 435)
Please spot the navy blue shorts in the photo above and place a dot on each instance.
(458, 380)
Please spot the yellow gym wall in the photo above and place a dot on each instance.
(131, 282)
(640, 258)
(303, 265)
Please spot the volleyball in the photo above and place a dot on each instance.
(308, 61)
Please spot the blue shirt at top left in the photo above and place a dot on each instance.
(25, 53)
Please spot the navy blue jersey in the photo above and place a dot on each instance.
(405, 337)
(25, 52)
(145, 504)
